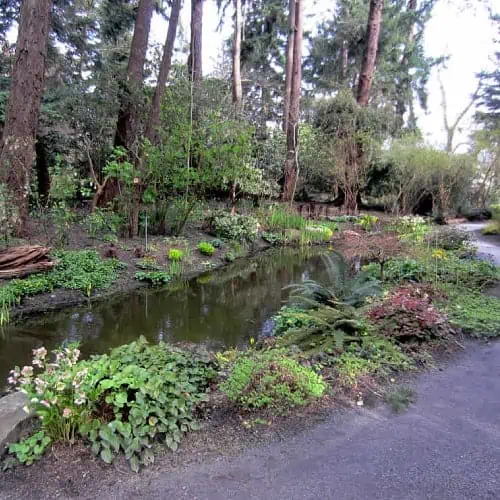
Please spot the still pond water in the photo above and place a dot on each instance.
(223, 308)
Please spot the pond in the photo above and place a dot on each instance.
(223, 308)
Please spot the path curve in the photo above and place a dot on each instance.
(447, 446)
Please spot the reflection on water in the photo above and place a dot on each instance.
(221, 309)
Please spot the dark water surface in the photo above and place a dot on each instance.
(224, 308)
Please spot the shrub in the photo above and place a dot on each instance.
(156, 278)
(206, 248)
(103, 222)
(175, 255)
(408, 314)
(271, 379)
(230, 257)
(234, 227)
(411, 228)
(122, 402)
(449, 239)
(491, 228)
(217, 243)
(368, 222)
(400, 398)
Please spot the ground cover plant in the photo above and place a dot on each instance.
(126, 401)
(82, 270)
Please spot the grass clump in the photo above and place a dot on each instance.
(206, 248)
(280, 218)
(271, 379)
(400, 398)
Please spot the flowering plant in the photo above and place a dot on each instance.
(56, 391)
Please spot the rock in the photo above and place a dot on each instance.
(13, 419)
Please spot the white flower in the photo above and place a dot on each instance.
(67, 412)
(45, 403)
(34, 400)
(26, 409)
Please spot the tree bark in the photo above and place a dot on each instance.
(289, 63)
(370, 54)
(128, 115)
(23, 107)
(195, 60)
(166, 64)
(237, 88)
(404, 84)
(292, 132)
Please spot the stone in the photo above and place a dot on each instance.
(13, 419)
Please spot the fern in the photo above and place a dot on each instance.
(323, 330)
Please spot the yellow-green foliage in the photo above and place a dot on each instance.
(271, 379)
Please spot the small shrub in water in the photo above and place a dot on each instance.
(271, 379)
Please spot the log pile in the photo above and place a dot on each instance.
(17, 262)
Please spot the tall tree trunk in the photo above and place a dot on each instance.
(128, 115)
(370, 54)
(23, 107)
(195, 56)
(353, 150)
(289, 63)
(166, 64)
(237, 87)
(345, 60)
(292, 131)
(404, 84)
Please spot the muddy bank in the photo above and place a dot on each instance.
(126, 283)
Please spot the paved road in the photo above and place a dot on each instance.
(447, 446)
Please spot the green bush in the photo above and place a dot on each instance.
(234, 227)
(175, 255)
(230, 257)
(411, 228)
(449, 239)
(103, 222)
(125, 401)
(206, 248)
(271, 379)
(368, 222)
(156, 278)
